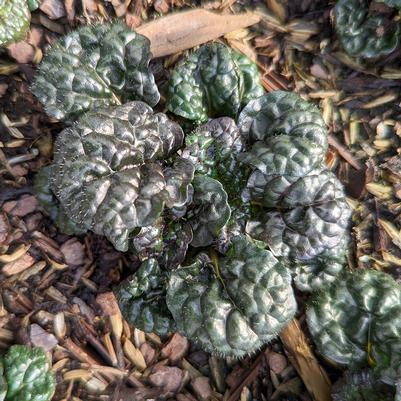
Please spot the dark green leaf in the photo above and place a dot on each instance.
(142, 299)
(106, 173)
(95, 66)
(210, 210)
(211, 82)
(234, 304)
(356, 323)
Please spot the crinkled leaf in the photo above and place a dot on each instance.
(213, 81)
(51, 205)
(165, 241)
(214, 149)
(281, 112)
(14, 21)
(28, 374)
(312, 218)
(142, 299)
(318, 272)
(235, 226)
(364, 34)
(95, 66)
(234, 306)
(105, 172)
(307, 214)
(178, 183)
(210, 210)
(361, 386)
(356, 322)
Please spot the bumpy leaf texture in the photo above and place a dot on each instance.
(14, 20)
(304, 216)
(142, 299)
(356, 322)
(232, 305)
(28, 374)
(51, 205)
(361, 386)
(166, 241)
(210, 210)
(214, 149)
(95, 66)
(212, 82)
(110, 170)
(365, 34)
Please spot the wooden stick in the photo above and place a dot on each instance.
(186, 29)
(313, 375)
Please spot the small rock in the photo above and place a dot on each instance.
(176, 348)
(277, 362)
(41, 338)
(21, 52)
(167, 377)
(148, 353)
(73, 252)
(54, 9)
(19, 265)
(201, 386)
(24, 205)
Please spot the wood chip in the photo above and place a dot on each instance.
(134, 355)
(312, 373)
(18, 266)
(184, 30)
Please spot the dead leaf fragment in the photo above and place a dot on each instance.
(184, 30)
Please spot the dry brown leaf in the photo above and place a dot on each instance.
(302, 358)
(184, 30)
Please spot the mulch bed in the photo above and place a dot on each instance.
(56, 290)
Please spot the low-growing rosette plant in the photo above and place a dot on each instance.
(221, 220)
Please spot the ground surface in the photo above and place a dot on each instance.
(55, 289)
